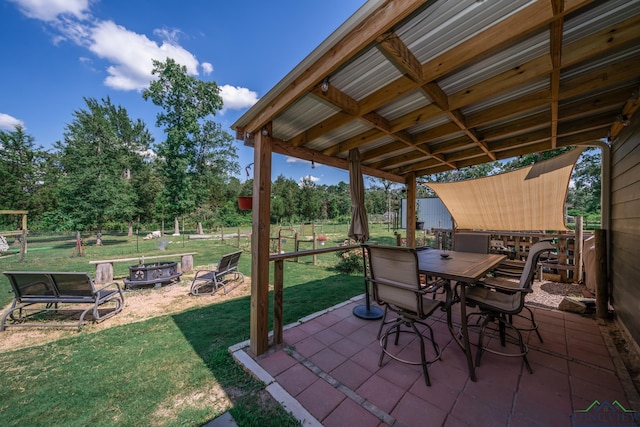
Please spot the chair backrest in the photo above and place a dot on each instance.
(394, 276)
(229, 261)
(472, 242)
(30, 283)
(73, 284)
(46, 284)
(526, 280)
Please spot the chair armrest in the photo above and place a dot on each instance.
(502, 286)
(106, 285)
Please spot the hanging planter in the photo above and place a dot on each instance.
(245, 203)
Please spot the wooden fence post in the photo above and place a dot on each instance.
(278, 285)
(602, 286)
(577, 252)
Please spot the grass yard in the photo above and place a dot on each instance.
(167, 370)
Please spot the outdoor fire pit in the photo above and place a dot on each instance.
(152, 273)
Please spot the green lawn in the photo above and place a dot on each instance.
(169, 370)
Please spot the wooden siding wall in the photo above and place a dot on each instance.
(625, 227)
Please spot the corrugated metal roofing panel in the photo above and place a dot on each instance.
(365, 74)
(519, 53)
(600, 16)
(384, 140)
(436, 121)
(329, 139)
(300, 116)
(611, 58)
(447, 23)
(508, 95)
(404, 105)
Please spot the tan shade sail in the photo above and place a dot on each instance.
(527, 199)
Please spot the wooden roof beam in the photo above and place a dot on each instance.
(335, 121)
(379, 21)
(628, 112)
(527, 20)
(555, 50)
(399, 54)
(286, 149)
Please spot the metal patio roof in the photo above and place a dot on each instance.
(421, 87)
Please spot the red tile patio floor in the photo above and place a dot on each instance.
(327, 374)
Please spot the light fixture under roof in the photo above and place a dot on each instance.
(325, 85)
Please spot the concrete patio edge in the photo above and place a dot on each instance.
(288, 402)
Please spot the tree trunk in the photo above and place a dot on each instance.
(130, 232)
(199, 228)
(99, 236)
(176, 227)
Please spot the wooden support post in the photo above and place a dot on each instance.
(259, 319)
(23, 242)
(562, 257)
(577, 252)
(278, 295)
(238, 237)
(411, 210)
(313, 236)
(602, 286)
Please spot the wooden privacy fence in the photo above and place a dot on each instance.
(516, 246)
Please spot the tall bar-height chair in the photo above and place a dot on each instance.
(395, 280)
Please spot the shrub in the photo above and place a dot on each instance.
(349, 260)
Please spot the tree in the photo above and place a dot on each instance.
(584, 195)
(20, 170)
(101, 147)
(284, 191)
(194, 147)
(387, 186)
(309, 200)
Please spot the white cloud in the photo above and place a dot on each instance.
(130, 55)
(289, 159)
(8, 122)
(207, 67)
(311, 178)
(237, 98)
(50, 10)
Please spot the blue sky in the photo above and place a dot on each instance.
(55, 52)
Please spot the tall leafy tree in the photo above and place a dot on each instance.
(584, 195)
(309, 200)
(195, 149)
(101, 148)
(285, 191)
(20, 169)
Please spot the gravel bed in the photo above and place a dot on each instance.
(550, 294)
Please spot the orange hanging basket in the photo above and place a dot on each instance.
(245, 202)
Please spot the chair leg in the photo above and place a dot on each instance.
(394, 328)
(385, 339)
(534, 325)
(423, 357)
(503, 324)
(488, 318)
(383, 322)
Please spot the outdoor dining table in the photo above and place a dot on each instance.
(462, 267)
